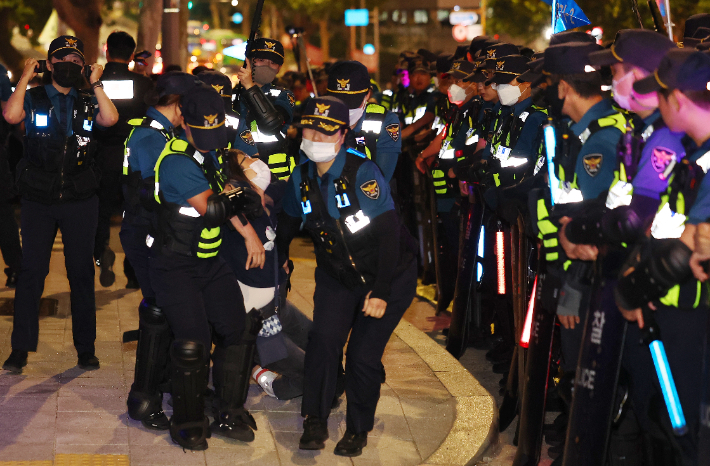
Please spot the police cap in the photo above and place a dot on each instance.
(639, 47)
(479, 43)
(219, 81)
(268, 49)
(65, 45)
(508, 68)
(203, 110)
(701, 20)
(175, 82)
(349, 81)
(569, 58)
(683, 69)
(443, 63)
(571, 36)
(461, 68)
(326, 115)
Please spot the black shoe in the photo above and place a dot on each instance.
(156, 421)
(16, 361)
(236, 424)
(315, 433)
(191, 435)
(351, 444)
(106, 277)
(11, 278)
(88, 362)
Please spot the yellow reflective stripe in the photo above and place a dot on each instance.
(375, 108)
(680, 204)
(277, 158)
(546, 227)
(367, 152)
(550, 243)
(566, 265)
(206, 255)
(206, 246)
(496, 178)
(672, 297)
(617, 120)
(210, 233)
(698, 292)
(552, 256)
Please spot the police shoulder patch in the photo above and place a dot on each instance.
(247, 137)
(371, 189)
(592, 163)
(393, 131)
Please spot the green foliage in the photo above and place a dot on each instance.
(35, 13)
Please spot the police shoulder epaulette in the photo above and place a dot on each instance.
(375, 108)
(178, 145)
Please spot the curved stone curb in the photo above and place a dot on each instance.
(475, 430)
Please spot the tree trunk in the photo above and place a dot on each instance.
(149, 24)
(84, 17)
(214, 9)
(324, 38)
(246, 23)
(9, 54)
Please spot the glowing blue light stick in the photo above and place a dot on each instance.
(550, 147)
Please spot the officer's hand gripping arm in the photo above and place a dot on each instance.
(268, 119)
(654, 275)
(611, 226)
(227, 204)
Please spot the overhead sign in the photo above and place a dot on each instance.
(463, 17)
(357, 17)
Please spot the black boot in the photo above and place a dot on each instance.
(145, 399)
(351, 444)
(231, 374)
(315, 433)
(11, 277)
(189, 427)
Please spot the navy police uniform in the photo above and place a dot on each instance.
(361, 251)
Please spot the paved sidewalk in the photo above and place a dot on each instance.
(55, 410)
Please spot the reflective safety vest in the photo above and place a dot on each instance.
(133, 181)
(508, 129)
(57, 167)
(372, 126)
(443, 185)
(441, 110)
(181, 229)
(272, 147)
(669, 222)
(567, 150)
(346, 248)
(413, 114)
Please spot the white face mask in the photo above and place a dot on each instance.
(354, 115)
(624, 101)
(457, 94)
(508, 94)
(263, 174)
(319, 151)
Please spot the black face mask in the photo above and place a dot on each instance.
(553, 102)
(67, 74)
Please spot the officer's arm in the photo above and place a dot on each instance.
(14, 111)
(423, 122)
(108, 115)
(199, 202)
(386, 229)
(217, 208)
(289, 220)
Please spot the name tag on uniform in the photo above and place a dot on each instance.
(502, 153)
(119, 90)
(41, 121)
(357, 222)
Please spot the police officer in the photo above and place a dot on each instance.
(418, 111)
(365, 275)
(126, 90)
(679, 301)
(9, 234)
(195, 288)
(58, 181)
(266, 110)
(143, 148)
(375, 130)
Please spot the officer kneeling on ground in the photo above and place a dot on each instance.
(195, 288)
(365, 277)
(58, 181)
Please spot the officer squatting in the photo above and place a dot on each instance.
(566, 228)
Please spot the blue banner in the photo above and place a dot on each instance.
(566, 14)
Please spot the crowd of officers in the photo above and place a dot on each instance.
(548, 213)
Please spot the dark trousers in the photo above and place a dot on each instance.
(133, 238)
(338, 312)
(110, 198)
(9, 236)
(448, 251)
(77, 222)
(197, 295)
